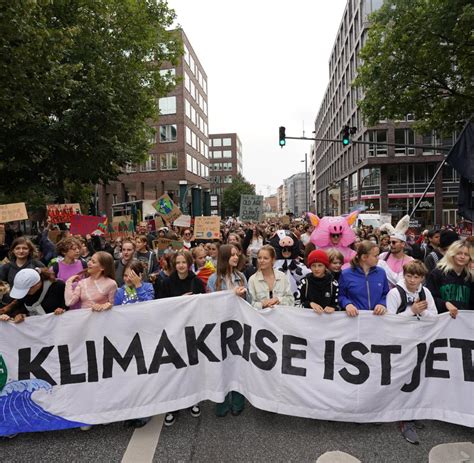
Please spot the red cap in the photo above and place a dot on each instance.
(318, 256)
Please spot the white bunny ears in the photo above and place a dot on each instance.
(400, 229)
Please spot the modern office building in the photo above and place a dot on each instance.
(384, 179)
(178, 162)
(296, 196)
(225, 161)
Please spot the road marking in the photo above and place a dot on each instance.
(337, 457)
(142, 445)
(456, 452)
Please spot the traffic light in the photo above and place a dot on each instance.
(346, 138)
(282, 133)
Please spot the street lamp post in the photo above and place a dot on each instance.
(306, 179)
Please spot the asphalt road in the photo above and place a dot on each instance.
(255, 435)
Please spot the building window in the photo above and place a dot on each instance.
(186, 54)
(187, 108)
(167, 133)
(149, 165)
(226, 142)
(228, 179)
(377, 136)
(188, 135)
(217, 154)
(168, 161)
(189, 163)
(226, 166)
(404, 137)
(227, 153)
(216, 142)
(167, 105)
(187, 81)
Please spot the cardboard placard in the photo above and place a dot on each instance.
(183, 221)
(122, 226)
(163, 243)
(167, 209)
(12, 212)
(62, 213)
(285, 220)
(86, 224)
(207, 227)
(251, 208)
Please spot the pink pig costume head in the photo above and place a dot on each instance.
(327, 226)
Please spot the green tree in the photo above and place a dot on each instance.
(79, 82)
(419, 59)
(231, 201)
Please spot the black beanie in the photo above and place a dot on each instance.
(447, 238)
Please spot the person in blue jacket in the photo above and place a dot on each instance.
(134, 289)
(364, 286)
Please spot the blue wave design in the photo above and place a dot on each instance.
(19, 412)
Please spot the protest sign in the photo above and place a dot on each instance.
(207, 227)
(86, 224)
(12, 212)
(251, 208)
(159, 223)
(183, 221)
(122, 226)
(62, 213)
(165, 206)
(285, 220)
(161, 244)
(180, 351)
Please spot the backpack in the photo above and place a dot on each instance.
(403, 295)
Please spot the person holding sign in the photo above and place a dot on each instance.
(364, 286)
(228, 277)
(269, 287)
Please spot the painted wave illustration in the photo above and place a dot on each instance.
(19, 413)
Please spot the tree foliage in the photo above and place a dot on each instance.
(79, 82)
(419, 59)
(231, 201)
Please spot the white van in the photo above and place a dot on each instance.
(376, 220)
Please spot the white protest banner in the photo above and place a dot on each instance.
(12, 212)
(87, 367)
(251, 208)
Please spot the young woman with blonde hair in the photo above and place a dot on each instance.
(452, 281)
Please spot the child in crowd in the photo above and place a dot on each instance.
(409, 297)
(212, 251)
(336, 261)
(134, 289)
(320, 289)
(201, 267)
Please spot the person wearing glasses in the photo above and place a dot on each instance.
(188, 239)
(394, 260)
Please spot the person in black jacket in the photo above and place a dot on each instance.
(320, 289)
(37, 293)
(451, 282)
(180, 283)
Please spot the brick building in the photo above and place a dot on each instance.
(178, 162)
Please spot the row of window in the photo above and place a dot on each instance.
(192, 89)
(221, 142)
(197, 143)
(221, 166)
(196, 167)
(195, 69)
(220, 154)
(221, 179)
(168, 161)
(195, 117)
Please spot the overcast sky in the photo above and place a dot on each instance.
(267, 65)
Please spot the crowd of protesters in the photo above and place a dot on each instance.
(395, 273)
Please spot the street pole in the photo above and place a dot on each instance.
(306, 178)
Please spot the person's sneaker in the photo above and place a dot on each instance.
(407, 429)
(170, 418)
(195, 411)
(86, 428)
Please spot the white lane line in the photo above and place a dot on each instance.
(142, 445)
